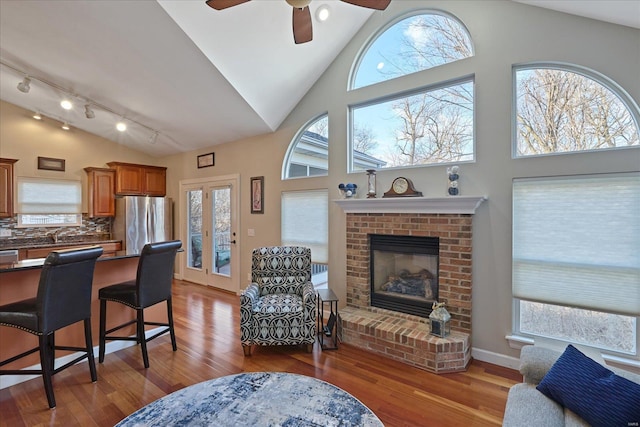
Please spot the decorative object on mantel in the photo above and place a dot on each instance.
(371, 183)
(402, 187)
(206, 160)
(452, 173)
(347, 191)
(440, 320)
(51, 164)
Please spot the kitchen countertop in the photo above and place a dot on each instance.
(12, 244)
(37, 263)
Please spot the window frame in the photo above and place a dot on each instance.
(77, 185)
(519, 336)
(288, 157)
(467, 78)
(588, 73)
(374, 37)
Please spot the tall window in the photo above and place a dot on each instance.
(413, 127)
(576, 259)
(308, 153)
(49, 202)
(414, 43)
(305, 222)
(563, 109)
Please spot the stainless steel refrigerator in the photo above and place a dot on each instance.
(142, 219)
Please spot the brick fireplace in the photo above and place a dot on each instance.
(401, 336)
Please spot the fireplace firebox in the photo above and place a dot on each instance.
(404, 273)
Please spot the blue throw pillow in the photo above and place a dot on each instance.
(593, 392)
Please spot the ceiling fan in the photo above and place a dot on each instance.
(302, 30)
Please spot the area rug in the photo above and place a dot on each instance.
(256, 399)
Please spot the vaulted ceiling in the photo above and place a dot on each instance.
(196, 76)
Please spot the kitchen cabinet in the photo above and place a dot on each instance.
(6, 187)
(109, 249)
(139, 180)
(100, 192)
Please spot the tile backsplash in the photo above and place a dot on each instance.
(91, 228)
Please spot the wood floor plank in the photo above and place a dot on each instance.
(208, 335)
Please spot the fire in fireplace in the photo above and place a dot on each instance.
(404, 273)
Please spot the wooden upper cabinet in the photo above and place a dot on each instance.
(139, 180)
(100, 190)
(6, 187)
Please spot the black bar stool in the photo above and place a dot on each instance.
(151, 286)
(64, 298)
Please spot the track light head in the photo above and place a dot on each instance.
(24, 85)
(37, 115)
(88, 112)
(65, 126)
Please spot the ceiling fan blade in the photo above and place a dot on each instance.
(371, 4)
(223, 4)
(302, 30)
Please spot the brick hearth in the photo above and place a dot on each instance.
(400, 336)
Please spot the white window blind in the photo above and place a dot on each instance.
(576, 242)
(305, 221)
(49, 196)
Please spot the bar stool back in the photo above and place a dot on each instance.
(63, 298)
(151, 286)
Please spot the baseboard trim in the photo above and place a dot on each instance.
(112, 346)
(495, 358)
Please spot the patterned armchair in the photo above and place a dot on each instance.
(279, 306)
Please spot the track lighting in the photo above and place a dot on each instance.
(69, 96)
(88, 112)
(66, 104)
(24, 85)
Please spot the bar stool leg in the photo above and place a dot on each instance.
(103, 322)
(170, 318)
(47, 368)
(89, 343)
(141, 337)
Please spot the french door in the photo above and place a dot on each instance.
(210, 212)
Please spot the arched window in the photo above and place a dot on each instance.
(415, 43)
(562, 108)
(413, 126)
(308, 154)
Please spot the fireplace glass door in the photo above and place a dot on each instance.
(404, 273)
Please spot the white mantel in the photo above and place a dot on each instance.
(428, 205)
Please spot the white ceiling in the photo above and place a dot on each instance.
(198, 76)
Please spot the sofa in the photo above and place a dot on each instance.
(527, 406)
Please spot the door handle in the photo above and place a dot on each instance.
(233, 241)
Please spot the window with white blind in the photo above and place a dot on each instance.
(46, 202)
(305, 221)
(576, 259)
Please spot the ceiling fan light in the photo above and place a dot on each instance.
(121, 126)
(24, 85)
(66, 104)
(299, 4)
(323, 12)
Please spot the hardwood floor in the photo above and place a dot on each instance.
(207, 329)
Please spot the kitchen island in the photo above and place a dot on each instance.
(19, 281)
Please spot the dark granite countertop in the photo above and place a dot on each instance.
(36, 263)
(47, 242)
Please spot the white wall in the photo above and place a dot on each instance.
(504, 33)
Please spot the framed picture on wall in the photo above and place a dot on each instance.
(51, 164)
(257, 195)
(206, 160)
